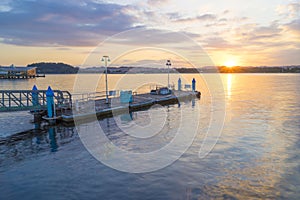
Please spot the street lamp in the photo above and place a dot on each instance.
(106, 59)
(168, 64)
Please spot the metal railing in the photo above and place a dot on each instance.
(93, 96)
(16, 100)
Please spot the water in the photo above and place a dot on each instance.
(256, 156)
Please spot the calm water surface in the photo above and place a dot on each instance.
(256, 157)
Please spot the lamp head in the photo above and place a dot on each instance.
(168, 63)
(104, 58)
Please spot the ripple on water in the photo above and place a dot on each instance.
(15, 122)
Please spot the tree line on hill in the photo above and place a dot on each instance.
(62, 68)
(54, 68)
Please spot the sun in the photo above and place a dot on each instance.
(230, 63)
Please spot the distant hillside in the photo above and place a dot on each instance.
(54, 68)
(61, 68)
(283, 69)
(207, 69)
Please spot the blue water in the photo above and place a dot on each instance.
(256, 156)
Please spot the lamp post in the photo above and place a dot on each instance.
(168, 64)
(106, 59)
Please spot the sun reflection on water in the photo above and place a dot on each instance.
(229, 85)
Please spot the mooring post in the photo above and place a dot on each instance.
(179, 84)
(50, 102)
(194, 85)
(37, 117)
(35, 97)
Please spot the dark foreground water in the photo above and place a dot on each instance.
(256, 157)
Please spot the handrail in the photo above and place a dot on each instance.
(15, 100)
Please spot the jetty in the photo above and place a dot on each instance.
(98, 108)
(57, 106)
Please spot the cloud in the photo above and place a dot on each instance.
(265, 37)
(144, 37)
(290, 10)
(63, 49)
(199, 18)
(226, 12)
(156, 3)
(56, 22)
(218, 42)
(252, 37)
(266, 33)
(173, 16)
(4, 6)
(294, 8)
(294, 27)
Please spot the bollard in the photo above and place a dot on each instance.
(50, 102)
(35, 96)
(179, 84)
(194, 85)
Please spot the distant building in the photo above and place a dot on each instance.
(13, 72)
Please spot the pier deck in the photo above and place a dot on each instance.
(100, 109)
(69, 108)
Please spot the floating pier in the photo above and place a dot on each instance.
(55, 105)
(99, 108)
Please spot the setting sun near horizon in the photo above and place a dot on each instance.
(230, 63)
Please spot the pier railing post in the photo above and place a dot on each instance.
(50, 102)
(35, 97)
(35, 102)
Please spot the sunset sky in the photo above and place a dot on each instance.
(246, 33)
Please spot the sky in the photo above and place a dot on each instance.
(228, 32)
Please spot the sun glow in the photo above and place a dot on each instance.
(230, 63)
